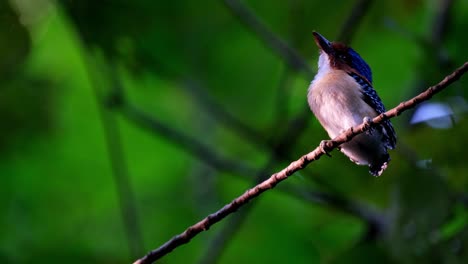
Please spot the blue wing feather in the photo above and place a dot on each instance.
(371, 97)
(360, 65)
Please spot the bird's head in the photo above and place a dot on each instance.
(335, 55)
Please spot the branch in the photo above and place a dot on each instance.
(349, 26)
(291, 57)
(297, 165)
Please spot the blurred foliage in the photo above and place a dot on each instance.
(194, 67)
(19, 88)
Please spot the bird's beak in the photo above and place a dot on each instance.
(322, 42)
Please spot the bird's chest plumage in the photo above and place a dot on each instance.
(335, 99)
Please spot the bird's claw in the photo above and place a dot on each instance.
(323, 147)
(367, 124)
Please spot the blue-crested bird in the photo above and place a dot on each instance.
(341, 96)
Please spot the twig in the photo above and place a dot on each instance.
(299, 164)
(291, 57)
(349, 26)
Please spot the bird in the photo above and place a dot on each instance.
(341, 96)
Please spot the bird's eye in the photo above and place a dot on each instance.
(343, 57)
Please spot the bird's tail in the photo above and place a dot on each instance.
(377, 168)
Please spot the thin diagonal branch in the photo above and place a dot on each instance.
(292, 58)
(297, 165)
(349, 27)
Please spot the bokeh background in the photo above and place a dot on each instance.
(123, 122)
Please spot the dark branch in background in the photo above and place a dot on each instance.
(441, 22)
(463, 199)
(348, 29)
(188, 143)
(341, 204)
(280, 111)
(216, 111)
(432, 44)
(299, 164)
(252, 22)
(439, 32)
(221, 115)
(289, 55)
(403, 32)
(120, 173)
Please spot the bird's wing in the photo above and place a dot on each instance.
(371, 97)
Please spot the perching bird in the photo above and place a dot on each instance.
(341, 96)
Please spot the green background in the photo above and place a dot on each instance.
(124, 122)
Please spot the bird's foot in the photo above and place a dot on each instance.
(324, 146)
(367, 124)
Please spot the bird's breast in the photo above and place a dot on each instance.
(335, 98)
